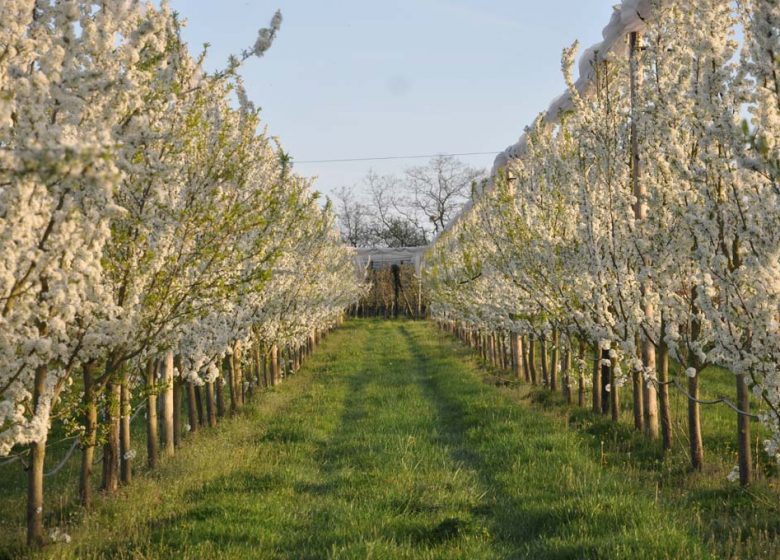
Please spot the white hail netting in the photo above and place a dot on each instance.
(629, 16)
(381, 256)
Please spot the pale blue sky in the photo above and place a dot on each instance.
(361, 78)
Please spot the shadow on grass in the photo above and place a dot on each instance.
(530, 527)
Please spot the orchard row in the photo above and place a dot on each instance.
(153, 241)
(642, 222)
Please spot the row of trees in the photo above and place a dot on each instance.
(643, 223)
(151, 237)
(406, 211)
(392, 291)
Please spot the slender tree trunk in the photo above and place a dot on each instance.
(567, 373)
(694, 409)
(35, 535)
(227, 368)
(662, 370)
(90, 434)
(649, 390)
(275, 363)
(581, 376)
(192, 408)
(614, 393)
(211, 411)
(178, 401)
(638, 402)
(199, 405)
(219, 395)
(606, 380)
(646, 393)
(238, 371)
(152, 437)
(554, 357)
(743, 432)
(694, 424)
(111, 448)
(167, 402)
(598, 406)
(532, 360)
(517, 355)
(257, 357)
(125, 444)
(543, 358)
(524, 353)
(178, 393)
(265, 361)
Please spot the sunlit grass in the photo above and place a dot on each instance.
(390, 444)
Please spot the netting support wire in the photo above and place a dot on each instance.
(65, 459)
(719, 400)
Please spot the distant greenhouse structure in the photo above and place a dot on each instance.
(396, 284)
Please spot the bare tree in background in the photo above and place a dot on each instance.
(393, 227)
(355, 219)
(439, 190)
(406, 211)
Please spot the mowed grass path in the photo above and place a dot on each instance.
(388, 444)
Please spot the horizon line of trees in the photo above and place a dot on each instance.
(408, 210)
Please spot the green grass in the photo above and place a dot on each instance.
(735, 522)
(387, 444)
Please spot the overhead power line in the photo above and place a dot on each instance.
(384, 158)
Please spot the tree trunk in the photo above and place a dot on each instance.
(517, 355)
(649, 391)
(256, 372)
(275, 363)
(238, 371)
(524, 352)
(111, 448)
(227, 369)
(606, 380)
(90, 434)
(192, 408)
(638, 401)
(662, 370)
(694, 424)
(219, 395)
(543, 358)
(554, 357)
(199, 405)
(167, 402)
(210, 404)
(178, 401)
(152, 438)
(125, 443)
(532, 360)
(567, 374)
(694, 409)
(614, 393)
(580, 376)
(743, 432)
(596, 388)
(266, 375)
(35, 536)
(178, 394)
